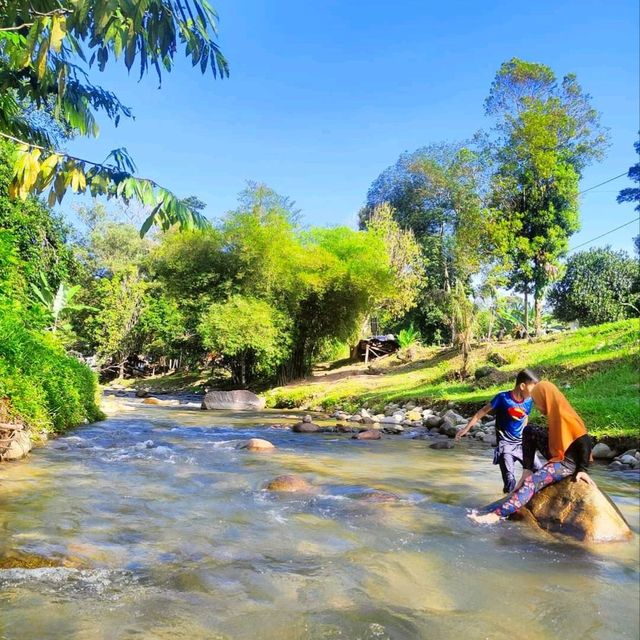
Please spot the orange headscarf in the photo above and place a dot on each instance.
(565, 425)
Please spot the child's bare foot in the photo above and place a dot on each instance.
(483, 518)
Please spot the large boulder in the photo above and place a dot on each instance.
(579, 510)
(239, 400)
(289, 484)
(19, 447)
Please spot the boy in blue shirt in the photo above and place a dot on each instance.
(512, 409)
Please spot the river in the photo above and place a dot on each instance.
(152, 524)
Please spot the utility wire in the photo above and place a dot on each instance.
(626, 224)
(595, 186)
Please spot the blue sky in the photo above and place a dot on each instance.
(324, 95)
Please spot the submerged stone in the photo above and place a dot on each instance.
(289, 484)
(442, 444)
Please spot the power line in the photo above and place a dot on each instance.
(626, 224)
(595, 186)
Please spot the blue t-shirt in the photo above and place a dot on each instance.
(510, 416)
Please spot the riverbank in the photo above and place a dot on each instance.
(596, 367)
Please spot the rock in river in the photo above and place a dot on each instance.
(442, 444)
(257, 444)
(369, 434)
(19, 447)
(306, 427)
(239, 400)
(579, 510)
(602, 451)
(289, 484)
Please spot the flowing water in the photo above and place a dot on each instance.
(152, 524)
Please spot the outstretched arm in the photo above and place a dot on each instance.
(478, 416)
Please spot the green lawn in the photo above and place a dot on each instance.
(597, 368)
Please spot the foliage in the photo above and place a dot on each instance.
(47, 52)
(405, 258)
(119, 301)
(248, 334)
(437, 192)
(464, 316)
(109, 245)
(39, 236)
(408, 336)
(632, 194)
(47, 389)
(323, 281)
(160, 328)
(599, 285)
(547, 133)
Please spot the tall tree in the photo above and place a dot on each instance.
(438, 193)
(48, 48)
(547, 133)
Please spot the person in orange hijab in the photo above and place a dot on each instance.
(565, 444)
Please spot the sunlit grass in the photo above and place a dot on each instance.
(597, 367)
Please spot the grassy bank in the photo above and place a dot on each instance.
(597, 368)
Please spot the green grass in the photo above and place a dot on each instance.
(179, 382)
(597, 368)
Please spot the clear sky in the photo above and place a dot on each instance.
(325, 94)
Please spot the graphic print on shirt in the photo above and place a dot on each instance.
(511, 416)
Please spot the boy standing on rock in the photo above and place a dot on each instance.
(512, 409)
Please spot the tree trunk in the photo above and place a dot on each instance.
(121, 370)
(526, 310)
(537, 315)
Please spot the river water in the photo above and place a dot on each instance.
(152, 524)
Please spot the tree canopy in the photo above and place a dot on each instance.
(48, 50)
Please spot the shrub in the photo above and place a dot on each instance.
(48, 390)
(408, 336)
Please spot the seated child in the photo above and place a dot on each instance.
(512, 409)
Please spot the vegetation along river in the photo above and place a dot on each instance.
(152, 524)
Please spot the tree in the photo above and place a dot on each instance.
(40, 236)
(109, 246)
(248, 334)
(464, 316)
(119, 300)
(437, 192)
(406, 261)
(632, 194)
(599, 285)
(160, 329)
(48, 49)
(547, 132)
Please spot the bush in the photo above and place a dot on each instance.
(47, 389)
(408, 336)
